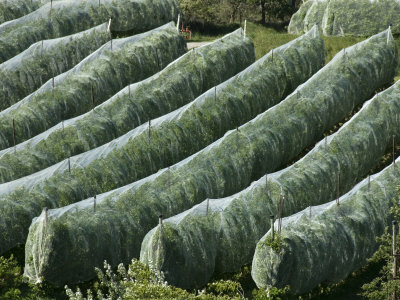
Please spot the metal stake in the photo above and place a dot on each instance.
(94, 203)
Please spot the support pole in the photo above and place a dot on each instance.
(338, 190)
(394, 149)
(394, 252)
(272, 221)
(13, 130)
(160, 222)
(177, 23)
(280, 213)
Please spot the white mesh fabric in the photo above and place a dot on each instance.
(66, 17)
(115, 230)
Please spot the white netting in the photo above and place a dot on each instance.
(115, 230)
(347, 17)
(99, 76)
(13, 9)
(144, 150)
(334, 242)
(26, 72)
(66, 17)
(220, 235)
(162, 93)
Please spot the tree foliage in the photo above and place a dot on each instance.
(140, 281)
(233, 11)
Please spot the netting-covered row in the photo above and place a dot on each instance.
(220, 235)
(347, 17)
(13, 9)
(334, 242)
(84, 234)
(61, 18)
(179, 83)
(169, 139)
(99, 76)
(26, 72)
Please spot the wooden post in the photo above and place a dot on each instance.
(129, 91)
(394, 252)
(245, 28)
(326, 142)
(160, 222)
(41, 51)
(280, 213)
(92, 94)
(338, 190)
(52, 83)
(13, 130)
(272, 220)
(158, 60)
(109, 30)
(149, 130)
(369, 182)
(169, 178)
(45, 215)
(394, 148)
(237, 138)
(207, 205)
(177, 23)
(94, 203)
(266, 183)
(62, 126)
(69, 165)
(215, 93)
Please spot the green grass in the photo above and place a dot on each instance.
(266, 38)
